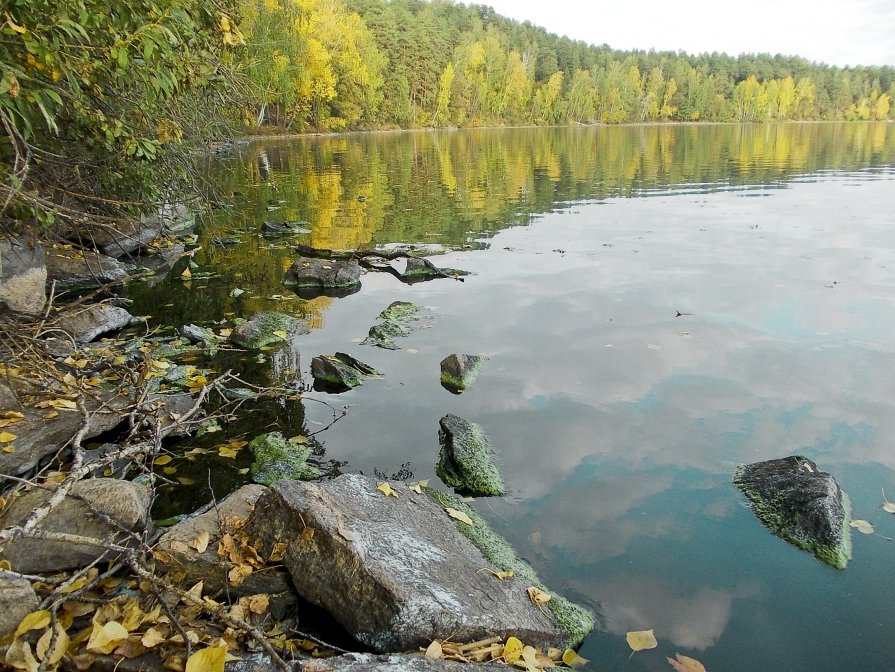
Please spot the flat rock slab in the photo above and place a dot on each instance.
(465, 461)
(125, 502)
(310, 273)
(365, 662)
(77, 269)
(88, 323)
(176, 552)
(123, 238)
(800, 503)
(395, 572)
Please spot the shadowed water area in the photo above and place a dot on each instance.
(660, 304)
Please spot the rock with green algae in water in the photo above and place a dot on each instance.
(339, 372)
(572, 619)
(800, 503)
(458, 372)
(395, 321)
(267, 328)
(277, 459)
(465, 462)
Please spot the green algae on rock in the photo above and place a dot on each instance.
(458, 372)
(277, 459)
(394, 321)
(573, 619)
(801, 504)
(267, 328)
(339, 372)
(465, 461)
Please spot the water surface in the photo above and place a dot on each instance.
(617, 421)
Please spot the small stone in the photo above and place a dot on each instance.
(339, 372)
(458, 372)
(23, 276)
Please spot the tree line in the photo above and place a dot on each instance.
(337, 64)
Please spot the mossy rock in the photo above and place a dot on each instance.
(277, 459)
(395, 321)
(458, 372)
(573, 619)
(267, 328)
(465, 461)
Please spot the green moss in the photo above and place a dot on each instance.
(395, 321)
(465, 461)
(277, 459)
(572, 619)
(259, 331)
(400, 310)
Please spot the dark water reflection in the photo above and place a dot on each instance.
(617, 423)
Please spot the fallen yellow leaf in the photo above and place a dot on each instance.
(162, 460)
(200, 543)
(459, 515)
(503, 576)
(387, 490)
(512, 650)
(6, 437)
(572, 659)
(683, 663)
(862, 526)
(639, 640)
(105, 638)
(434, 650)
(186, 275)
(36, 620)
(152, 638)
(19, 656)
(51, 657)
(207, 660)
(279, 332)
(538, 596)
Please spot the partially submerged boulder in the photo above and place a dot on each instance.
(323, 274)
(277, 459)
(419, 269)
(395, 571)
(339, 372)
(126, 503)
(268, 328)
(394, 321)
(88, 323)
(466, 459)
(458, 372)
(177, 552)
(23, 276)
(800, 503)
(79, 269)
(123, 238)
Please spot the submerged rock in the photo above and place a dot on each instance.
(339, 372)
(262, 329)
(86, 324)
(395, 321)
(419, 269)
(126, 503)
(465, 461)
(460, 371)
(307, 272)
(23, 276)
(198, 334)
(299, 228)
(801, 504)
(277, 459)
(395, 572)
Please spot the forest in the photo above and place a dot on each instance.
(338, 64)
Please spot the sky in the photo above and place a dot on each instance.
(835, 32)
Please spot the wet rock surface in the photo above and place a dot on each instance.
(395, 572)
(397, 320)
(23, 276)
(339, 372)
(800, 503)
(367, 662)
(458, 372)
(311, 273)
(124, 502)
(79, 269)
(465, 461)
(419, 269)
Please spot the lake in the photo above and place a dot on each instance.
(660, 304)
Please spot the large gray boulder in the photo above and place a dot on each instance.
(23, 276)
(177, 552)
(800, 503)
(124, 502)
(268, 328)
(465, 461)
(460, 371)
(87, 323)
(78, 269)
(394, 571)
(17, 600)
(322, 274)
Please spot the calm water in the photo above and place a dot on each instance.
(617, 424)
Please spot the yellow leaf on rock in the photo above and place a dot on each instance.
(6, 437)
(639, 640)
(434, 650)
(459, 515)
(258, 604)
(387, 490)
(503, 576)
(512, 650)
(207, 660)
(200, 543)
(36, 620)
(279, 332)
(186, 275)
(530, 659)
(572, 659)
(683, 663)
(862, 526)
(538, 596)
(105, 638)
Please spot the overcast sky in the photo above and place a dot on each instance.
(836, 32)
